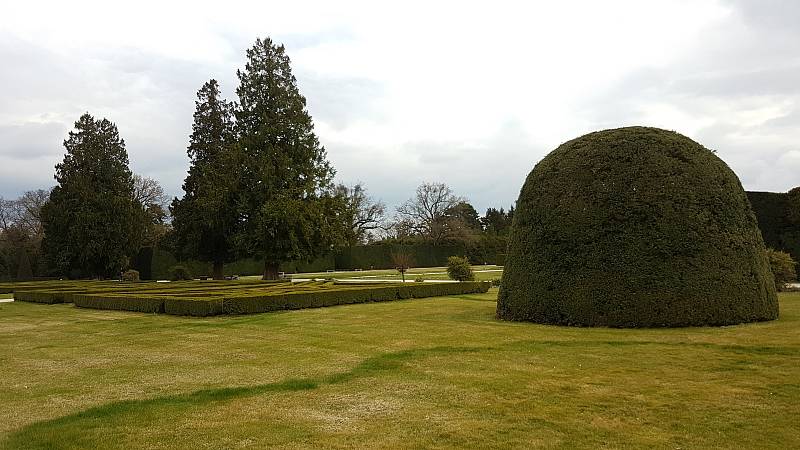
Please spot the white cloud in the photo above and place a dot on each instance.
(468, 93)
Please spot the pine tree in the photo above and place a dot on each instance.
(205, 218)
(286, 203)
(92, 223)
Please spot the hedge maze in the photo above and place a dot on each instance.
(212, 298)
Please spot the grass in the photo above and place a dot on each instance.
(482, 273)
(431, 373)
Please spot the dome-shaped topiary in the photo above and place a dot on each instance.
(635, 227)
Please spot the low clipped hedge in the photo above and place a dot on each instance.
(198, 307)
(46, 297)
(312, 295)
(139, 303)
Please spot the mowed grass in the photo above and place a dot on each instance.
(482, 273)
(430, 373)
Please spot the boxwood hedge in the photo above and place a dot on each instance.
(275, 298)
(635, 227)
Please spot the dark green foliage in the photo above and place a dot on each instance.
(487, 249)
(285, 195)
(46, 297)
(497, 222)
(379, 256)
(179, 273)
(91, 222)
(783, 268)
(162, 262)
(465, 217)
(148, 304)
(130, 275)
(215, 298)
(778, 217)
(205, 219)
(24, 271)
(199, 307)
(143, 262)
(458, 269)
(635, 227)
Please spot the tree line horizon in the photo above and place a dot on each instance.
(259, 185)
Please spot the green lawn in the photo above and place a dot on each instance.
(482, 273)
(429, 373)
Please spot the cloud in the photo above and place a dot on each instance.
(467, 94)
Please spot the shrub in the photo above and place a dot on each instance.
(783, 268)
(495, 282)
(178, 273)
(419, 279)
(458, 268)
(130, 275)
(635, 227)
(122, 302)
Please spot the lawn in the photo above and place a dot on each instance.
(425, 373)
(482, 273)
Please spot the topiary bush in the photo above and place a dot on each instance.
(458, 269)
(783, 268)
(635, 227)
(179, 273)
(130, 275)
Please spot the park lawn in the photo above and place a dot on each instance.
(482, 273)
(428, 373)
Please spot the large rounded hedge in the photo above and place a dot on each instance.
(635, 227)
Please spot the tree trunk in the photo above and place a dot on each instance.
(217, 272)
(270, 271)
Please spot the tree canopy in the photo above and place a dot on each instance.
(205, 219)
(286, 203)
(92, 222)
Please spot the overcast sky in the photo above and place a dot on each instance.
(469, 94)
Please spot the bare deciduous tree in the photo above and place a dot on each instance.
(149, 193)
(27, 212)
(363, 214)
(427, 213)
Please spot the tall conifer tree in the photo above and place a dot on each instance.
(92, 223)
(205, 218)
(286, 203)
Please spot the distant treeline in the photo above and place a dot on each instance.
(156, 263)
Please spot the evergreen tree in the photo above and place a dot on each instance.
(497, 222)
(24, 271)
(464, 215)
(205, 218)
(92, 223)
(287, 208)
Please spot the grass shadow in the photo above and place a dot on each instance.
(72, 431)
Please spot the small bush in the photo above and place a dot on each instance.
(458, 268)
(419, 279)
(495, 282)
(130, 275)
(178, 273)
(783, 268)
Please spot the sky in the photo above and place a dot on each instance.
(471, 94)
